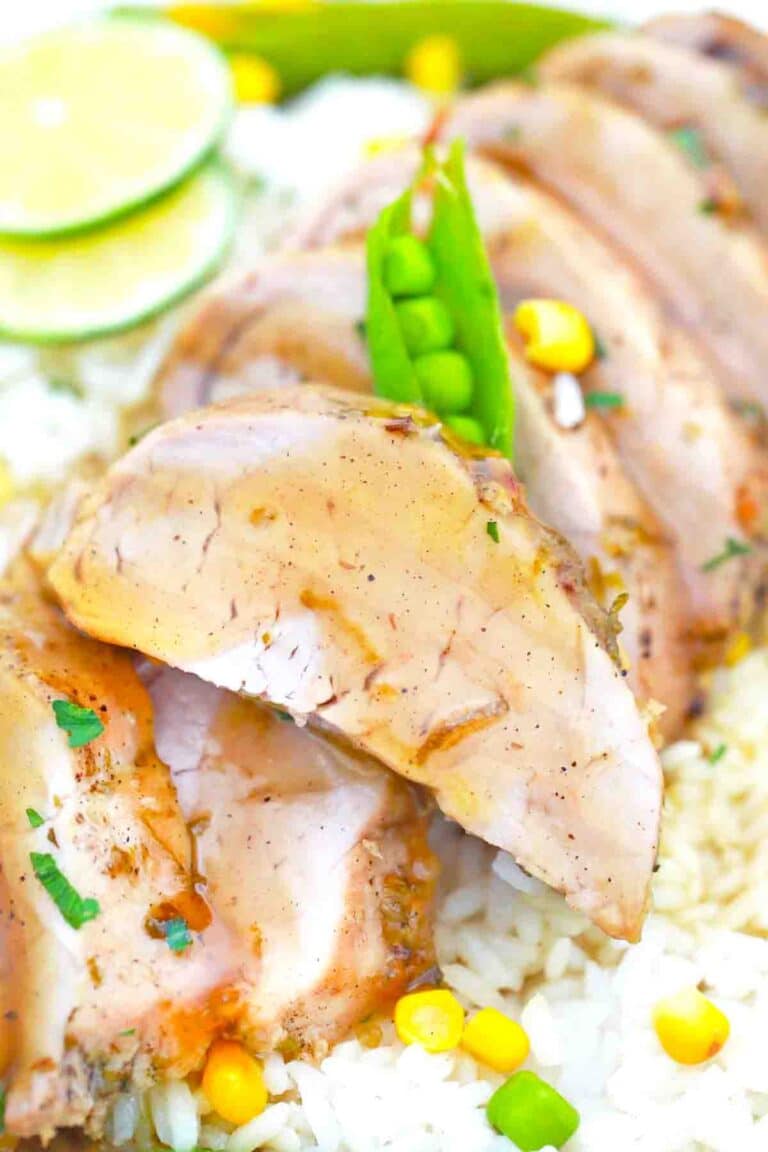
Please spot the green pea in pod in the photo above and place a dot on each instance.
(434, 324)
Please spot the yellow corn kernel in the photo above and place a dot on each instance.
(690, 1028)
(6, 483)
(739, 647)
(255, 80)
(557, 336)
(209, 20)
(434, 65)
(233, 1082)
(495, 1040)
(434, 1019)
(379, 144)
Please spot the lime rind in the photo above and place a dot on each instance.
(191, 149)
(200, 216)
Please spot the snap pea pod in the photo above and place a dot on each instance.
(305, 39)
(434, 325)
(466, 286)
(394, 374)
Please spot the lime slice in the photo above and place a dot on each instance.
(102, 281)
(99, 117)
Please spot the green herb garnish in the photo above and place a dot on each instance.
(492, 529)
(718, 753)
(81, 724)
(177, 934)
(603, 400)
(707, 207)
(2, 1109)
(748, 410)
(434, 325)
(600, 350)
(35, 819)
(75, 910)
(732, 548)
(689, 141)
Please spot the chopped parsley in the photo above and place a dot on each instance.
(2, 1109)
(361, 328)
(492, 529)
(748, 409)
(34, 817)
(603, 400)
(718, 753)
(689, 141)
(75, 910)
(708, 206)
(177, 934)
(511, 133)
(127, 1032)
(732, 548)
(600, 349)
(81, 724)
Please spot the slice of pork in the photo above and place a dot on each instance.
(720, 37)
(336, 557)
(674, 89)
(573, 477)
(87, 1010)
(315, 858)
(698, 466)
(634, 185)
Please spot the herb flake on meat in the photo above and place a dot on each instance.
(74, 908)
(731, 549)
(82, 725)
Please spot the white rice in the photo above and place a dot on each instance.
(585, 1001)
(503, 939)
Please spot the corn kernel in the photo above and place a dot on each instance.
(255, 80)
(739, 647)
(557, 336)
(495, 1040)
(233, 1082)
(6, 483)
(215, 22)
(690, 1028)
(434, 65)
(434, 1019)
(378, 145)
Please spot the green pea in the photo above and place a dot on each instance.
(467, 427)
(531, 1113)
(425, 325)
(445, 379)
(408, 267)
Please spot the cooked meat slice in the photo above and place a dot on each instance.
(232, 344)
(314, 856)
(718, 36)
(85, 1009)
(577, 484)
(637, 187)
(725, 133)
(333, 556)
(697, 465)
(574, 480)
